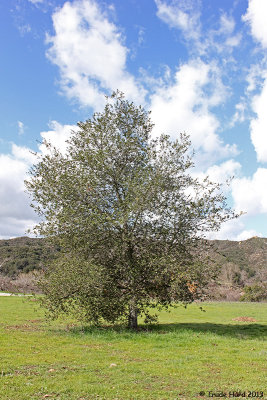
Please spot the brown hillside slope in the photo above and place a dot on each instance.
(242, 264)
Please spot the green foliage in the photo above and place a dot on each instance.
(24, 255)
(254, 292)
(245, 254)
(127, 215)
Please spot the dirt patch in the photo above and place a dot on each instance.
(35, 321)
(24, 327)
(32, 325)
(244, 319)
(29, 370)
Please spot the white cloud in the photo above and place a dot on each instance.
(221, 173)
(186, 102)
(57, 136)
(181, 14)
(23, 154)
(239, 115)
(16, 215)
(258, 125)
(227, 27)
(24, 28)
(21, 127)
(186, 16)
(91, 56)
(14, 227)
(247, 234)
(233, 41)
(234, 230)
(184, 106)
(250, 194)
(254, 77)
(224, 39)
(227, 24)
(36, 1)
(256, 16)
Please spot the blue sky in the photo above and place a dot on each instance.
(200, 66)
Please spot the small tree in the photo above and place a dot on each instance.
(127, 215)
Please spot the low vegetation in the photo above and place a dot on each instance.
(221, 350)
(254, 293)
(243, 265)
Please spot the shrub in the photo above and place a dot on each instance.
(254, 292)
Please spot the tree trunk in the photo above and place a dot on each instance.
(132, 317)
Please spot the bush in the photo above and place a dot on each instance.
(250, 272)
(236, 279)
(254, 293)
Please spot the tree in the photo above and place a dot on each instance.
(127, 215)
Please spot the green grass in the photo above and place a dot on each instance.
(188, 352)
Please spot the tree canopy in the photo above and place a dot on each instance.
(128, 215)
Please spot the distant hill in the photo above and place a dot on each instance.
(24, 254)
(241, 263)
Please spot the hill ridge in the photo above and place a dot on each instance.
(243, 263)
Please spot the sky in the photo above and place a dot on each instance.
(200, 66)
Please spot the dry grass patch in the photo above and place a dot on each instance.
(244, 319)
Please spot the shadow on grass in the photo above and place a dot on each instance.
(239, 331)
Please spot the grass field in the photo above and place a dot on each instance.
(189, 352)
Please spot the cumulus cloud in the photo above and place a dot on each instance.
(249, 194)
(184, 106)
(258, 125)
(256, 16)
(247, 234)
(16, 215)
(89, 51)
(57, 136)
(234, 230)
(186, 102)
(221, 173)
(23, 154)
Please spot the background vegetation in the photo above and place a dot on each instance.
(243, 264)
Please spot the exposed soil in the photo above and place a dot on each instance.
(245, 319)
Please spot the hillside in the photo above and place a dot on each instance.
(24, 254)
(20, 261)
(241, 264)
